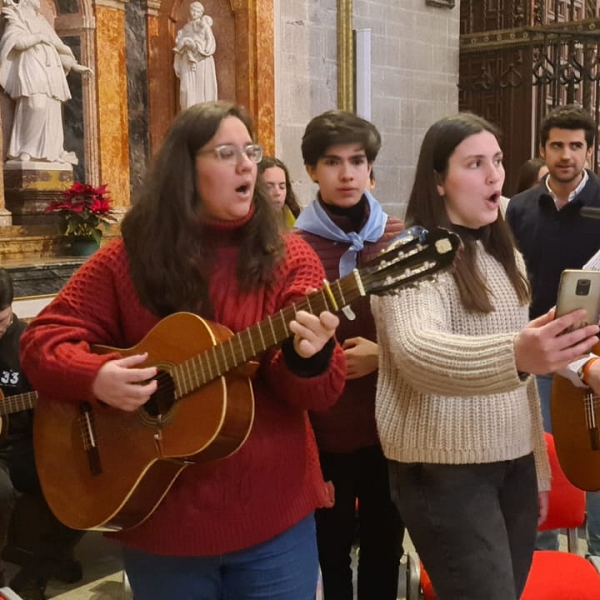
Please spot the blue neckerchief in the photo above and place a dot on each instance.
(315, 220)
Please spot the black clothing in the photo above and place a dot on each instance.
(54, 551)
(13, 381)
(552, 240)
(363, 475)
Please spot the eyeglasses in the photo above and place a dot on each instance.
(230, 154)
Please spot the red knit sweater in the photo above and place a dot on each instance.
(274, 480)
(350, 423)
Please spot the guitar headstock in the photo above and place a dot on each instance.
(414, 255)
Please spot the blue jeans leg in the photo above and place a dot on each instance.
(546, 540)
(593, 522)
(544, 385)
(283, 568)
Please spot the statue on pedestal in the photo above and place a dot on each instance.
(194, 63)
(34, 62)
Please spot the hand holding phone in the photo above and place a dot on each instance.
(579, 289)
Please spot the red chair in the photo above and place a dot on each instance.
(554, 575)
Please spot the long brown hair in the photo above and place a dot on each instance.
(165, 241)
(427, 208)
(268, 162)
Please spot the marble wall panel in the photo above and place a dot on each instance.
(112, 103)
(137, 89)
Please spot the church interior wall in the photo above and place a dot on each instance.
(137, 90)
(414, 77)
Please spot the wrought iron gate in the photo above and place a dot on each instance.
(519, 58)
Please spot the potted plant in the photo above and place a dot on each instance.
(84, 210)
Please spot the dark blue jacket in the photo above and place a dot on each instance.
(552, 240)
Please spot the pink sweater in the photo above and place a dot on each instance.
(274, 480)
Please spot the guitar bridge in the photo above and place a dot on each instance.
(88, 435)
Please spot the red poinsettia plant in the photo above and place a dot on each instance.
(83, 209)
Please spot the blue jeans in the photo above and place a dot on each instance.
(283, 568)
(592, 506)
(473, 525)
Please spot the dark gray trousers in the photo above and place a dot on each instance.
(473, 525)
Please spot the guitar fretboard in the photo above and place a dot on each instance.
(247, 344)
(17, 403)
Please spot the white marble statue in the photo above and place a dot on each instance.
(34, 62)
(194, 63)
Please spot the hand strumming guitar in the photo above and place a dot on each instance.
(119, 383)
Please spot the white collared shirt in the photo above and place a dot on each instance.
(573, 194)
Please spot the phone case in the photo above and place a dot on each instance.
(579, 289)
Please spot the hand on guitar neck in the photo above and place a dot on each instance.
(312, 332)
(121, 384)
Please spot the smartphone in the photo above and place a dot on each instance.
(579, 289)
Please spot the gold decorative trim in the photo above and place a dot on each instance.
(527, 36)
(345, 56)
(118, 4)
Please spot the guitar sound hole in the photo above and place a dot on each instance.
(162, 400)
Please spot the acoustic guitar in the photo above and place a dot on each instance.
(103, 468)
(576, 428)
(13, 404)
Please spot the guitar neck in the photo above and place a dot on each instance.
(195, 372)
(17, 403)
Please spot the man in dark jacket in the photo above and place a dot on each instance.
(553, 235)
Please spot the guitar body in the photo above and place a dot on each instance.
(575, 426)
(104, 468)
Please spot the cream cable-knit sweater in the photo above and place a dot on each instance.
(448, 388)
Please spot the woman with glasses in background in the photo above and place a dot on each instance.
(201, 238)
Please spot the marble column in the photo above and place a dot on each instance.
(255, 66)
(111, 80)
(5, 216)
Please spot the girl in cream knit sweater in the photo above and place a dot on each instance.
(457, 412)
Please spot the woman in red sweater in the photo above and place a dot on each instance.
(201, 238)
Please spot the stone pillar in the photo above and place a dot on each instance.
(111, 81)
(255, 65)
(5, 216)
(161, 97)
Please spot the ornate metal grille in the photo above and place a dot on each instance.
(520, 58)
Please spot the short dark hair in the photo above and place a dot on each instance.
(571, 117)
(338, 127)
(6, 289)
